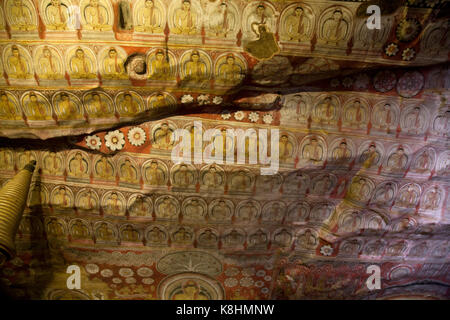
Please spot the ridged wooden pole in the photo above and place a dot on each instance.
(13, 198)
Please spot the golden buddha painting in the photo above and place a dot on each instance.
(161, 100)
(129, 174)
(385, 116)
(195, 68)
(326, 111)
(230, 70)
(21, 16)
(62, 198)
(259, 28)
(356, 114)
(9, 107)
(297, 23)
(81, 64)
(87, 200)
(186, 17)
(140, 206)
(78, 165)
(129, 104)
(36, 107)
(97, 17)
(98, 105)
(313, 151)
(167, 208)
(149, 16)
(53, 163)
(155, 173)
(24, 156)
(103, 169)
(59, 18)
(111, 64)
(68, 107)
(162, 136)
(18, 65)
(113, 203)
(48, 65)
(335, 25)
(161, 65)
(223, 20)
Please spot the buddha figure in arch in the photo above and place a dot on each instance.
(182, 235)
(128, 173)
(247, 212)
(160, 66)
(140, 207)
(296, 25)
(159, 101)
(384, 117)
(97, 17)
(335, 28)
(78, 166)
(313, 152)
(167, 209)
(415, 121)
(234, 238)
(128, 105)
(229, 72)
(397, 161)
(221, 211)
(154, 174)
(355, 115)
(20, 15)
(18, 66)
(98, 105)
(359, 189)
(275, 213)
(286, 150)
(194, 210)
(82, 66)
(88, 201)
(163, 137)
(130, 234)
(156, 236)
(370, 157)
(53, 164)
(149, 18)
(307, 240)
(114, 205)
(66, 108)
(212, 179)
(241, 182)
(79, 230)
(341, 154)
(8, 109)
(432, 199)
(57, 15)
(104, 169)
(62, 198)
(208, 238)
(221, 21)
(37, 195)
(424, 162)
(184, 177)
(49, 65)
(186, 19)
(195, 69)
(259, 238)
(325, 111)
(323, 185)
(105, 232)
(55, 228)
(385, 194)
(6, 160)
(36, 108)
(113, 66)
(282, 238)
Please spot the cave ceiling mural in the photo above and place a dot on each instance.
(93, 90)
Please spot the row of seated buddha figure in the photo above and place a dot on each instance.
(356, 113)
(80, 62)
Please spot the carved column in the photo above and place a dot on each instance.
(13, 198)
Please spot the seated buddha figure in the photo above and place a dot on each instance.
(113, 66)
(335, 28)
(149, 18)
(185, 19)
(195, 68)
(18, 66)
(8, 110)
(81, 66)
(68, 110)
(160, 67)
(36, 108)
(229, 73)
(128, 106)
(49, 68)
(57, 16)
(96, 17)
(20, 16)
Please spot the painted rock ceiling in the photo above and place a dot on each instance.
(93, 89)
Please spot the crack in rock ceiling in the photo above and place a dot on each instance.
(93, 89)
